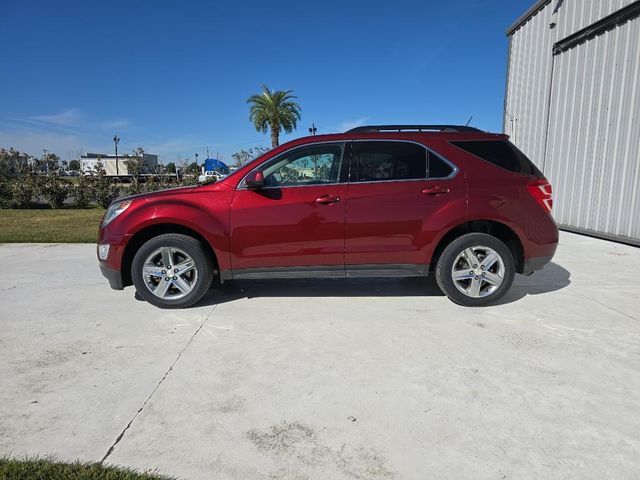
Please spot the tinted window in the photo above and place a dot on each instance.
(438, 168)
(313, 165)
(501, 153)
(380, 161)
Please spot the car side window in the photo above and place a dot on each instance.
(386, 161)
(313, 165)
(438, 168)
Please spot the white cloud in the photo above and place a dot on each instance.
(69, 132)
(73, 120)
(349, 124)
(68, 117)
(113, 124)
(67, 146)
(65, 133)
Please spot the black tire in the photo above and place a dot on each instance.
(204, 269)
(444, 268)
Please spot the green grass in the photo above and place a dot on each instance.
(65, 225)
(51, 469)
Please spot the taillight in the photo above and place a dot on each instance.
(540, 189)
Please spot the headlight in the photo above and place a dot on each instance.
(114, 210)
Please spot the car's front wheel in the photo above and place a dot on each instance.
(172, 271)
(475, 269)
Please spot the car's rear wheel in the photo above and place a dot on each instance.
(172, 271)
(475, 269)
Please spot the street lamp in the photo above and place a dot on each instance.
(116, 140)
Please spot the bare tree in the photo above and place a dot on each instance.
(134, 164)
(245, 156)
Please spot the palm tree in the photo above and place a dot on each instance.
(276, 110)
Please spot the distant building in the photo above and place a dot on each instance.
(89, 163)
(16, 162)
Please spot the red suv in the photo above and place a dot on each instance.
(378, 201)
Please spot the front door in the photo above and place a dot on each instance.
(295, 224)
(397, 192)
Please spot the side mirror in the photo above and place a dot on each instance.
(254, 180)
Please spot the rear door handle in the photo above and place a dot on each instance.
(327, 199)
(435, 190)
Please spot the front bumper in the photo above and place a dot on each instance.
(111, 266)
(114, 277)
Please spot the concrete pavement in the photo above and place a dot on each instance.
(344, 379)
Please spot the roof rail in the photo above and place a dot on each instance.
(412, 128)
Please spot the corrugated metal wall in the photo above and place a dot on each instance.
(588, 141)
(593, 147)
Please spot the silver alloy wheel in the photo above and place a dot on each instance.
(478, 271)
(170, 273)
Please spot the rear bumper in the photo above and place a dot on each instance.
(535, 263)
(114, 277)
(540, 244)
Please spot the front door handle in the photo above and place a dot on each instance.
(327, 199)
(435, 190)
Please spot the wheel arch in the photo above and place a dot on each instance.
(491, 227)
(147, 233)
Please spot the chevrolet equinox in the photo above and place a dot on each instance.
(379, 201)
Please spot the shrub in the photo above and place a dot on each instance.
(151, 185)
(135, 187)
(5, 193)
(166, 183)
(84, 192)
(54, 189)
(190, 180)
(105, 191)
(21, 191)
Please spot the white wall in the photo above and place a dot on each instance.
(586, 143)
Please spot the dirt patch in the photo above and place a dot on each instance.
(232, 405)
(293, 440)
(363, 464)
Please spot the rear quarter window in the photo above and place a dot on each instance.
(500, 153)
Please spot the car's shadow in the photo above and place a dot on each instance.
(552, 277)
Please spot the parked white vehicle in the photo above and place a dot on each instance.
(210, 176)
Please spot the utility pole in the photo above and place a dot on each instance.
(116, 140)
(313, 129)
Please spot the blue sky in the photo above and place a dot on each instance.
(174, 76)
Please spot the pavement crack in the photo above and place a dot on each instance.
(608, 306)
(144, 404)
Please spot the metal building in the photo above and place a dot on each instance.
(572, 104)
(115, 166)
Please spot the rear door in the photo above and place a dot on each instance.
(398, 193)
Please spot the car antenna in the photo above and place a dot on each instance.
(470, 118)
